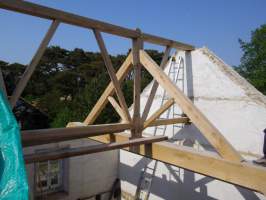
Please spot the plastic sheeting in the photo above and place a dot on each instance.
(13, 180)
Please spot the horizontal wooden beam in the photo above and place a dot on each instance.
(206, 163)
(69, 18)
(65, 153)
(45, 136)
(160, 122)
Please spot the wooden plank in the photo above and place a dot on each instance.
(136, 46)
(118, 109)
(157, 114)
(210, 164)
(166, 42)
(99, 106)
(69, 18)
(212, 134)
(2, 84)
(46, 136)
(155, 85)
(160, 122)
(112, 74)
(34, 62)
(66, 153)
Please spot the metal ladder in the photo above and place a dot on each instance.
(148, 173)
(176, 70)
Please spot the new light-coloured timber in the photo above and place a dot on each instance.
(210, 164)
(109, 91)
(69, 18)
(34, 62)
(117, 108)
(212, 134)
(137, 44)
(157, 114)
(155, 85)
(160, 122)
(66, 153)
(46, 136)
(111, 72)
(2, 83)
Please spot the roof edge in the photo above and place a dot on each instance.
(249, 89)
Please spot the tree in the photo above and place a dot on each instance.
(253, 61)
(67, 83)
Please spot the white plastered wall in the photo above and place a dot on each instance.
(235, 107)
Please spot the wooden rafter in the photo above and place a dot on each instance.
(212, 134)
(66, 153)
(155, 86)
(117, 108)
(160, 111)
(109, 91)
(111, 71)
(34, 62)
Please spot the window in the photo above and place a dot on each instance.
(49, 176)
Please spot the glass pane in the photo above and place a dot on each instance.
(43, 168)
(43, 183)
(54, 166)
(54, 180)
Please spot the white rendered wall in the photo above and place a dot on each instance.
(235, 107)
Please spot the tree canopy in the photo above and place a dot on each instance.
(253, 61)
(67, 83)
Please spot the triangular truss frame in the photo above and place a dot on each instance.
(226, 165)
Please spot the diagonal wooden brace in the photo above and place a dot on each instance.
(212, 134)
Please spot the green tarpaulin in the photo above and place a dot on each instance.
(13, 180)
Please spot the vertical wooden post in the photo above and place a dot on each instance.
(34, 62)
(137, 45)
(136, 131)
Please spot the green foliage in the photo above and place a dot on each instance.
(67, 84)
(253, 62)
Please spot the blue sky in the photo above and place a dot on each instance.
(212, 23)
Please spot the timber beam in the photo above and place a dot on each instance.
(206, 163)
(69, 18)
(160, 122)
(160, 111)
(65, 153)
(52, 135)
(109, 91)
(212, 134)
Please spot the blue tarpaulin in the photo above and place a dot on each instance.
(13, 179)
